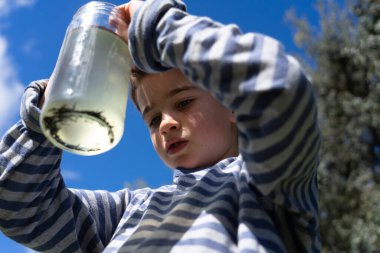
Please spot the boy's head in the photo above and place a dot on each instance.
(188, 127)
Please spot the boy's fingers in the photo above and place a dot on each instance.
(121, 23)
(129, 9)
(124, 9)
(42, 98)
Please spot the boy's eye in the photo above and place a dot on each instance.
(184, 103)
(155, 121)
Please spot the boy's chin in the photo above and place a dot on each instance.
(194, 167)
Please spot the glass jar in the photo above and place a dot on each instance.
(86, 97)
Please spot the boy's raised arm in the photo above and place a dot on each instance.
(36, 209)
(252, 75)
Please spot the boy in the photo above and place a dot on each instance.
(231, 113)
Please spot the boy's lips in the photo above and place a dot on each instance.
(175, 145)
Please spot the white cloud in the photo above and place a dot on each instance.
(7, 6)
(23, 3)
(30, 251)
(30, 48)
(11, 88)
(71, 175)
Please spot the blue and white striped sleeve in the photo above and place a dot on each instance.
(36, 209)
(251, 74)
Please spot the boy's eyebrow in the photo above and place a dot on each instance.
(171, 93)
(180, 89)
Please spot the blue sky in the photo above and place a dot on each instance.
(31, 33)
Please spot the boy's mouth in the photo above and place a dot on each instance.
(175, 146)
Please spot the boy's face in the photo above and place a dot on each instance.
(188, 127)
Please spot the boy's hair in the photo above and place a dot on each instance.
(136, 76)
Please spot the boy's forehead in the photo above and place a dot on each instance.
(149, 92)
(164, 84)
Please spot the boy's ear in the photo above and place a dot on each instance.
(233, 117)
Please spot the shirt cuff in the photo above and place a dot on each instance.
(143, 36)
(29, 111)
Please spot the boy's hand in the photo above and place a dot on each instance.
(128, 10)
(41, 101)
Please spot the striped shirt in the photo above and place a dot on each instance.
(264, 200)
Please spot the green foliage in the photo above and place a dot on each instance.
(343, 57)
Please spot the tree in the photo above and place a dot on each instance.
(343, 58)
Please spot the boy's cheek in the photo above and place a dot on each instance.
(157, 144)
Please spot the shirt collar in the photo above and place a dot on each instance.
(188, 177)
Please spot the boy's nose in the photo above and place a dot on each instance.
(169, 123)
